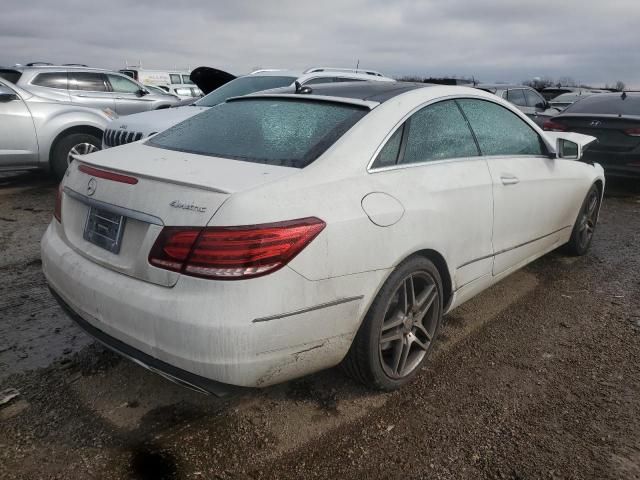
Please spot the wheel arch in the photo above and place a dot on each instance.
(88, 129)
(441, 264)
(600, 184)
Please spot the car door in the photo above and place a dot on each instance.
(90, 89)
(532, 192)
(438, 175)
(18, 141)
(129, 96)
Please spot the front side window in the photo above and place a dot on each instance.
(534, 99)
(10, 75)
(175, 78)
(244, 86)
(51, 80)
(500, 131)
(275, 131)
(87, 81)
(517, 97)
(187, 79)
(438, 132)
(122, 84)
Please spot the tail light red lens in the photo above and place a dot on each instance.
(554, 126)
(233, 253)
(633, 132)
(57, 211)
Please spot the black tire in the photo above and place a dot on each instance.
(371, 359)
(585, 225)
(60, 153)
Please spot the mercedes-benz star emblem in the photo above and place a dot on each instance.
(91, 186)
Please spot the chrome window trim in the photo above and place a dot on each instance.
(125, 212)
(370, 169)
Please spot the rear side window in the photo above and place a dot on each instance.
(274, 131)
(10, 75)
(499, 131)
(517, 97)
(175, 78)
(388, 156)
(51, 80)
(88, 81)
(187, 79)
(438, 132)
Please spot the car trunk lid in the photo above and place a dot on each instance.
(612, 131)
(116, 202)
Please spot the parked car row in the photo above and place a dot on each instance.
(226, 251)
(142, 125)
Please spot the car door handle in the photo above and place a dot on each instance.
(509, 180)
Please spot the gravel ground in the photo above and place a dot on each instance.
(537, 377)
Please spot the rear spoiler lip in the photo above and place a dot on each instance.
(153, 177)
(296, 96)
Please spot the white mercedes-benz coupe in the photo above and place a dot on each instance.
(279, 234)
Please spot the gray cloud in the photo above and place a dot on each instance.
(591, 41)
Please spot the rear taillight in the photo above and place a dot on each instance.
(57, 211)
(233, 253)
(633, 132)
(554, 126)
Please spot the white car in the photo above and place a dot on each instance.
(276, 235)
(139, 126)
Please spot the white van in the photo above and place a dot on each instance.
(158, 77)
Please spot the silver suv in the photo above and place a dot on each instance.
(38, 133)
(90, 87)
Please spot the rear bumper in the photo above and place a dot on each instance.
(177, 375)
(248, 333)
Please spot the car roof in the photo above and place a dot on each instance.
(321, 72)
(74, 68)
(364, 91)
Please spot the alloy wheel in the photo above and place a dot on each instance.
(81, 149)
(409, 324)
(588, 219)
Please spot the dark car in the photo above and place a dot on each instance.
(528, 100)
(614, 119)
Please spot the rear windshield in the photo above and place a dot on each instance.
(612, 104)
(244, 86)
(10, 75)
(274, 131)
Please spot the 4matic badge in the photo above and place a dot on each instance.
(188, 206)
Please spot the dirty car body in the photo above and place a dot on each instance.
(251, 256)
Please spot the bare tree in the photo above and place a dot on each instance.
(539, 82)
(620, 86)
(566, 82)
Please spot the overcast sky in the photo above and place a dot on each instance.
(591, 41)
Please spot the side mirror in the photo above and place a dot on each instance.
(568, 149)
(142, 92)
(7, 95)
